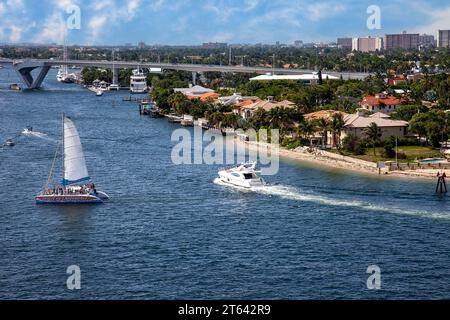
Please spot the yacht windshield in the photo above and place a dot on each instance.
(248, 176)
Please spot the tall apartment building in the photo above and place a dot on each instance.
(368, 44)
(443, 38)
(298, 43)
(401, 41)
(426, 40)
(345, 43)
(214, 45)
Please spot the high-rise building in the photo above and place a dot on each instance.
(298, 43)
(214, 45)
(401, 41)
(426, 40)
(141, 45)
(345, 43)
(368, 44)
(443, 38)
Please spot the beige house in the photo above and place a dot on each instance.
(356, 123)
(246, 112)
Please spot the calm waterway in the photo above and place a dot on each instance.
(169, 232)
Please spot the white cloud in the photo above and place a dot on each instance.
(15, 4)
(439, 19)
(225, 11)
(13, 22)
(322, 10)
(96, 26)
(54, 29)
(2, 8)
(16, 34)
(107, 15)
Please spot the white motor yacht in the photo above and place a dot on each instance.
(243, 175)
(138, 82)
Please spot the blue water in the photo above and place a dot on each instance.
(169, 232)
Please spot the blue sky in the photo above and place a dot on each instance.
(196, 21)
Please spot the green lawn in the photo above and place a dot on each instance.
(412, 153)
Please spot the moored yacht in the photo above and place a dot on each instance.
(243, 175)
(138, 82)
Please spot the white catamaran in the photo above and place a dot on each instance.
(76, 187)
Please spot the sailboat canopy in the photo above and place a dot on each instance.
(75, 170)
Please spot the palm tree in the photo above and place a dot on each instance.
(373, 134)
(307, 129)
(259, 118)
(280, 118)
(323, 125)
(336, 125)
(176, 99)
(230, 120)
(215, 119)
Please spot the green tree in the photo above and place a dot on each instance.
(373, 134)
(336, 125)
(307, 129)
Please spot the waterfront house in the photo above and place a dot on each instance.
(381, 102)
(206, 97)
(246, 112)
(236, 99)
(356, 123)
(396, 80)
(194, 91)
(323, 114)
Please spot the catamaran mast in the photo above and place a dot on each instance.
(63, 153)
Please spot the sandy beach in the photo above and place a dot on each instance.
(332, 160)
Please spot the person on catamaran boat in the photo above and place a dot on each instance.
(74, 189)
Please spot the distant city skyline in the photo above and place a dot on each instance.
(193, 22)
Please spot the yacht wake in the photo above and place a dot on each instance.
(291, 193)
(36, 134)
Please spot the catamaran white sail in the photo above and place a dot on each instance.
(76, 187)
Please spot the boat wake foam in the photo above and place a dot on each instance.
(36, 134)
(291, 193)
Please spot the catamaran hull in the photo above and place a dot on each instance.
(66, 199)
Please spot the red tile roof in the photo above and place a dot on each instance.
(374, 101)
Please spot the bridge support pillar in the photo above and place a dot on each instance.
(116, 72)
(194, 78)
(24, 71)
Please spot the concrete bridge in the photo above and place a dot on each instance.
(25, 67)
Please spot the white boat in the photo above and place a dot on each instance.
(62, 74)
(114, 87)
(99, 93)
(243, 175)
(10, 143)
(138, 82)
(76, 187)
(27, 131)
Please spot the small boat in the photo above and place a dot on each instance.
(99, 93)
(10, 143)
(114, 87)
(28, 131)
(76, 187)
(14, 87)
(243, 175)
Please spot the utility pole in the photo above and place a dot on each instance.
(273, 64)
(396, 151)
